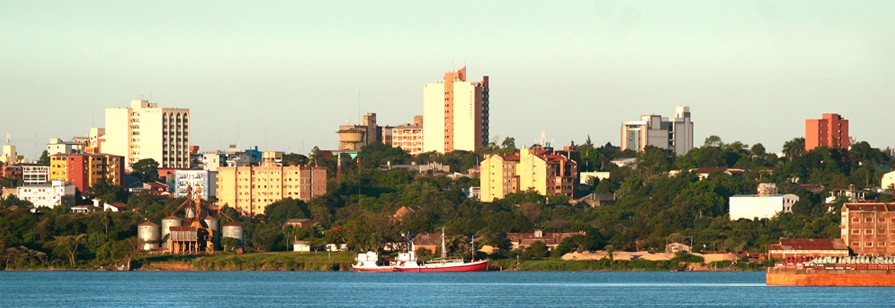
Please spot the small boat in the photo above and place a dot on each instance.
(407, 262)
(367, 262)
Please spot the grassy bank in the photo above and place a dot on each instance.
(267, 261)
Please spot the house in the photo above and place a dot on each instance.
(851, 194)
(430, 241)
(808, 247)
(401, 212)
(158, 189)
(84, 209)
(596, 199)
(300, 223)
(551, 239)
(334, 247)
(301, 246)
(585, 177)
(110, 207)
(704, 172)
(677, 247)
(624, 162)
(888, 181)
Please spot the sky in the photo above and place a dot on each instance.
(284, 75)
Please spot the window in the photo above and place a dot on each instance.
(868, 232)
(856, 232)
(868, 244)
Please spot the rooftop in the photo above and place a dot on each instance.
(809, 244)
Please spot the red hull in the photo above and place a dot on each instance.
(477, 266)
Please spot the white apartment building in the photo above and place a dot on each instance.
(757, 206)
(50, 195)
(145, 130)
(673, 133)
(59, 146)
(204, 180)
(33, 175)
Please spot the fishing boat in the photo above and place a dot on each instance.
(407, 262)
(368, 262)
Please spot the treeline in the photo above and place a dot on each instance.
(652, 208)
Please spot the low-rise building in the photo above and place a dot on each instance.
(543, 170)
(200, 180)
(35, 174)
(677, 247)
(57, 193)
(59, 146)
(301, 246)
(300, 223)
(550, 239)
(765, 204)
(409, 137)
(808, 247)
(586, 177)
(869, 228)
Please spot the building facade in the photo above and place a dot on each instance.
(759, 207)
(888, 181)
(85, 170)
(57, 193)
(674, 134)
(33, 174)
(409, 137)
(498, 177)
(869, 228)
(354, 137)
(543, 170)
(59, 146)
(455, 114)
(145, 130)
(204, 180)
(250, 189)
(831, 131)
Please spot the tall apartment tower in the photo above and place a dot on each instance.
(831, 131)
(455, 113)
(146, 130)
(673, 133)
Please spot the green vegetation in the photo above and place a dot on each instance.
(652, 208)
(269, 261)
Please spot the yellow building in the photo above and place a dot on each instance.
(498, 176)
(250, 189)
(542, 170)
(86, 170)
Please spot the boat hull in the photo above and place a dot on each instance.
(830, 277)
(475, 266)
(380, 269)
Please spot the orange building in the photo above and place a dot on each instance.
(409, 137)
(85, 170)
(455, 114)
(869, 228)
(830, 131)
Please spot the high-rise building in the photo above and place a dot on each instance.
(830, 131)
(9, 156)
(250, 189)
(674, 134)
(455, 113)
(146, 130)
(85, 170)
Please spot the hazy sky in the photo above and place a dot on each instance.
(288, 73)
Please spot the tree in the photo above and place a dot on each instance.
(44, 159)
(713, 141)
(69, 245)
(536, 250)
(794, 148)
(147, 169)
(293, 159)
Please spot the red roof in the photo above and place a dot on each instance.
(232, 224)
(119, 205)
(514, 157)
(809, 244)
(148, 223)
(549, 238)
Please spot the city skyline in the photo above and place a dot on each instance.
(283, 76)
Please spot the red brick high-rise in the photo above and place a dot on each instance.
(830, 131)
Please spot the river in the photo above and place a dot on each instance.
(347, 289)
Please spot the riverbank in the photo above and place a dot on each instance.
(264, 261)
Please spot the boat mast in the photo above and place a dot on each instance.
(443, 249)
(473, 247)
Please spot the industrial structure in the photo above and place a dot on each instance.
(198, 231)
